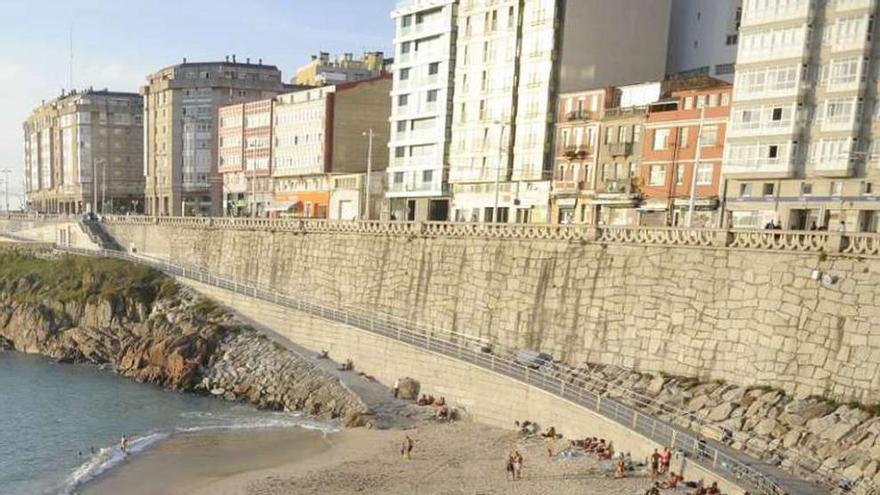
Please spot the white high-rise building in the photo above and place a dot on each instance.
(421, 109)
(703, 37)
(802, 141)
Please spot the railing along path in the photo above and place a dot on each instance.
(718, 458)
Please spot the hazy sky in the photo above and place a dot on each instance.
(116, 43)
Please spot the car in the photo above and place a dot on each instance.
(532, 359)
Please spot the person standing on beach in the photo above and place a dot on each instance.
(396, 389)
(511, 471)
(406, 448)
(517, 465)
(123, 444)
(655, 465)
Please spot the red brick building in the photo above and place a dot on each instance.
(670, 156)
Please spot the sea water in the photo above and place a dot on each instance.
(60, 425)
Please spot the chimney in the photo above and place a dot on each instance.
(62, 92)
(248, 61)
(314, 57)
(184, 59)
(227, 59)
(233, 58)
(260, 62)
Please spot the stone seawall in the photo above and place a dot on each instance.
(742, 316)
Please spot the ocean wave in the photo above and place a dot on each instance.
(110, 457)
(107, 458)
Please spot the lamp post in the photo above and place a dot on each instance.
(495, 210)
(699, 154)
(369, 134)
(6, 173)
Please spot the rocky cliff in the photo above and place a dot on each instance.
(145, 327)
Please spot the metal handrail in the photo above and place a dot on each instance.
(690, 444)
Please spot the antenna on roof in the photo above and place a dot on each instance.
(70, 66)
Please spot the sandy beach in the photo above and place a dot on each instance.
(456, 458)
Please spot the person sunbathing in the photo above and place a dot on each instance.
(619, 468)
(672, 482)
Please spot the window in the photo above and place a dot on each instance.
(398, 177)
(433, 68)
(705, 171)
(400, 152)
(713, 100)
(406, 21)
(637, 133)
(836, 188)
(661, 136)
(404, 74)
(683, 134)
(776, 114)
(657, 175)
(867, 188)
(405, 47)
(773, 151)
(710, 136)
(432, 95)
(806, 188)
(403, 100)
(427, 176)
(768, 189)
(679, 175)
(609, 134)
(689, 103)
(623, 134)
(725, 99)
(401, 126)
(745, 190)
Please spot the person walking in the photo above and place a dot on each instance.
(511, 470)
(123, 444)
(655, 464)
(406, 448)
(396, 389)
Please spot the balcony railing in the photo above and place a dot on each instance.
(620, 149)
(577, 152)
(619, 186)
(581, 116)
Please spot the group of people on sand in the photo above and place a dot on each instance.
(660, 463)
(441, 409)
(514, 465)
(603, 450)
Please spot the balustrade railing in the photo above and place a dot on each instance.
(766, 240)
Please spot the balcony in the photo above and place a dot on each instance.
(833, 166)
(781, 12)
(565, 187)
(850, 5)
(625, 112)
(581, 116)
(845, 123)
(620, 149)
(618, 187)
(577, 152)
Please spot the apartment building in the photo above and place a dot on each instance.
(83, 152)
(577, 130)
(703, 37)
(181, 104)
(245, 156)
(321, 132)
(513, 59)
(425, 36)
(683, 151)
(323, 70)
(801, 144)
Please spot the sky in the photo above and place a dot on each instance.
(116, 43)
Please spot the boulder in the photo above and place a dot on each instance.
(409, 388)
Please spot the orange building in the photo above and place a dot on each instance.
(670, 156)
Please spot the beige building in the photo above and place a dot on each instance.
(181, 105)
(324, 70)
(321, 132)
(84, 152)
(802, 140)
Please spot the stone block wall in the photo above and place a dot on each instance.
(743, 316)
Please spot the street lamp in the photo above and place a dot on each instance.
(6, 173)
(495, 210)
(369, 134)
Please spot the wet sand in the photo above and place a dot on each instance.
(188, 463)
(460, 458)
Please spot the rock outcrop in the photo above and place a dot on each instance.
(811, 436)
(153, 331)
